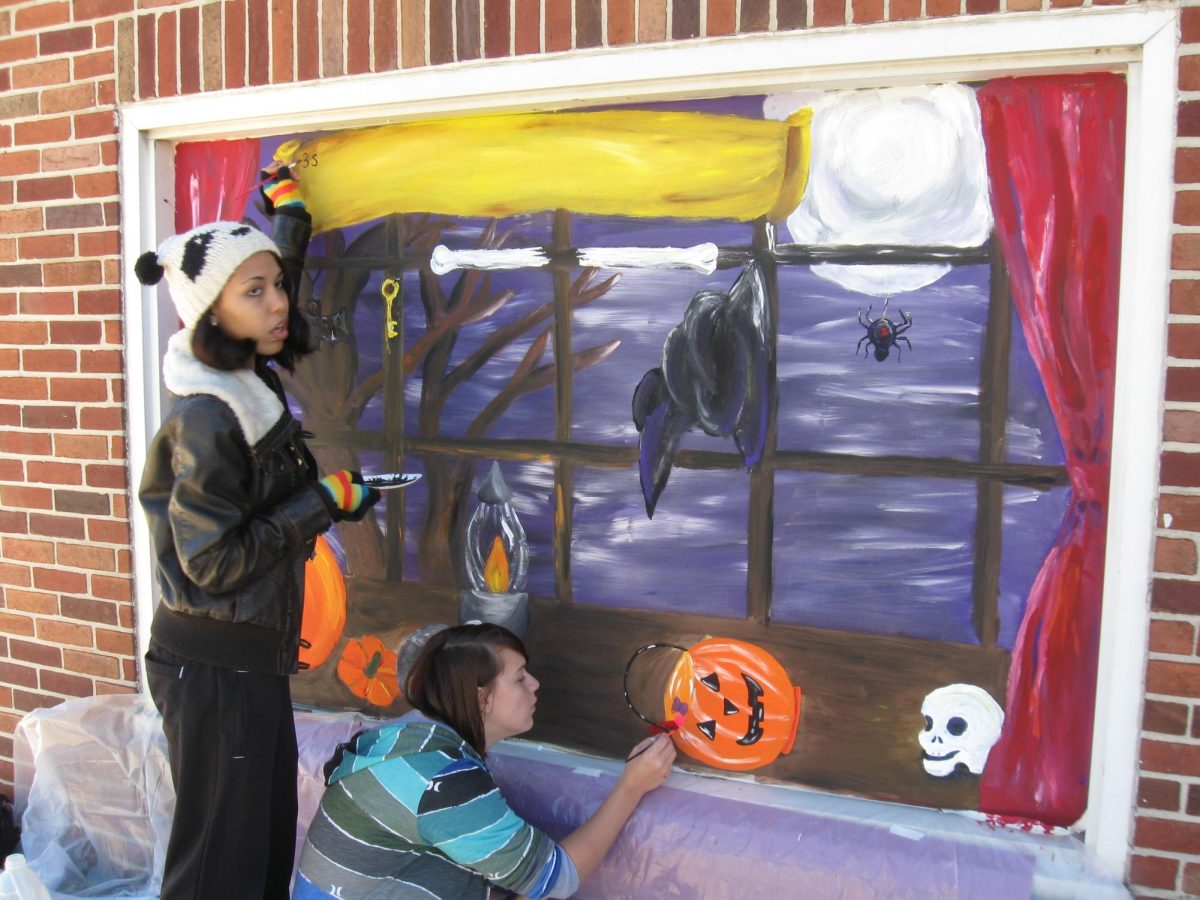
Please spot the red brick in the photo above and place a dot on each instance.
(308, 48)
(40, 74)
(27, 701)
(1191, 879)
(100, 9)
(791, 14)
(99, 303)
(1183, 383)
(47, 246)
(1172, 636)
(76, 332)
(13, 521)
(1189, 24)
(940, 8)
(29, 651)
(42, 472)
(14, 221)
(25, 443)
(42, 131)
(47, 304)
(106, 476)
(25, 497)
(865, 12)
(98, 184)
(16, 624)
(48, 417)
(23, 388)
(91, 361)
(80, 446)
(18, 48)
(57, 526)
(527, 19)
(755, 15)
(831, 12)
(685, 20)
(42, 15)
(62, 683)
(85, 502)
(100, 243)
(652, 21)
(10, 573)
(68, 99)
(101, 419)
(1188, 121)
(165, 44)
(23, 334)
(497, 29)
(722, 17)
(63, 274)
(72, 156)
(385, 56)
(67, 40)
(1157, 756)
(1168, 835)
(18, 676)
(146, 55)
(333, 60)
(980, 7)
(358, 37)
(903, 10)
(1175, 555)
(93, 664)
(259, 70)
(1185, 295)
(28, 550)
(105, 531)
(93, 65)
(282, 47)
(34, 190)
(1158, 793)
(115, 641)
(1180, 469)
(111, 588)
(1183, 340)
(441, 33)
(1173, 678)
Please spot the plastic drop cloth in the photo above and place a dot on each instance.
(93, 789)
(714, 838)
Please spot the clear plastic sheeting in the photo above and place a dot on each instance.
(93, 789)
(721, 837)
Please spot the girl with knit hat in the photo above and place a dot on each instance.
(234, 505)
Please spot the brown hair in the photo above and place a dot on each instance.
(444, 681)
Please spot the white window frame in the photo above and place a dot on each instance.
(1139, 42)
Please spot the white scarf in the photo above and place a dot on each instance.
(253, 403)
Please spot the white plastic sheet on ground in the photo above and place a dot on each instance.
(93, 789)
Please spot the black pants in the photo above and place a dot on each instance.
(232, 744)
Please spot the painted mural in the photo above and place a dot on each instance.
(809, 391)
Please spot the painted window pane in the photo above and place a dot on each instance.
(1031, 520)
(878, 555)
(912, 403)
(691, 558)
(1032, 436)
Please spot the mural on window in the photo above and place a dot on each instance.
(784, 419)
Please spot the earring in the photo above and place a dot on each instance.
(212, 320)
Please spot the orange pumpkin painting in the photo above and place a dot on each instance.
(324, 606)
(368, 669)
(742, 710)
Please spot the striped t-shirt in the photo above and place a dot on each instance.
(412, 811)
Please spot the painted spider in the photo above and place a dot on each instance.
(883, 334)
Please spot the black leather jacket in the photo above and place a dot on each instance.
(233, 515)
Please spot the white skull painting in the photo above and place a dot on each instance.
(962, 723)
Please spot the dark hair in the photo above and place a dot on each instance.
(444, 681)
(213, 347)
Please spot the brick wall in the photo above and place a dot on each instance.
(66, 617)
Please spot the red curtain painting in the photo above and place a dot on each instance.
(213, 180)
(1055, 156)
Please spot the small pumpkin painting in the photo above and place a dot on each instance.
(734, 704)
(368, 669)
(324, 606)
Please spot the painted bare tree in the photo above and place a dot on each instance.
(326, 383)
(469, 302)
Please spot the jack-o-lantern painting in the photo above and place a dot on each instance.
(324, 606)
(729, 704)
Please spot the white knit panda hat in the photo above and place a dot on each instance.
(199, 262)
